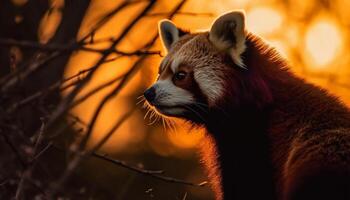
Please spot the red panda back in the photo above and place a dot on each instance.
(307, 135)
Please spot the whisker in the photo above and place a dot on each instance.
(163, 122)
(158, 117)
(172, 125)
(140, 101)
(153, 113)
(148, 111)
(145, 105)
(153, 122)
(168, 123)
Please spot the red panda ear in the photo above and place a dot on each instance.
(228, 34)
(168, 33)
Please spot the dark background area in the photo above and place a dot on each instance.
(72, 125)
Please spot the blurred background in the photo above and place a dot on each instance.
(75, 68)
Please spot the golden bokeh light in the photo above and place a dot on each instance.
(240, 3)
(323, 42)
(50, 21)
(19, 2)
(302, 9)
(75, 73)
(224, 5)
(314, 46)
(264, 20)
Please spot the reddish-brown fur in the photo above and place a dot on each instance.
(277, 136)
(271, 135)
(283, 138)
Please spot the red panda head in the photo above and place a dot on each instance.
(200, 70)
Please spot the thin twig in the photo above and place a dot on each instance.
(42, 151)
(70, 47)
(81, 154)
(53, 87)
(13, 78)
(106, 18)
(64, 105)
(15, 150)
(125, 165)
(108, 97)
(148, 172)
(34, 66)
(27, 172)
(94, 91)
(112, 130)
(153, 173)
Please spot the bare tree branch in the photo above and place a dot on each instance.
(154, 174)
(71, 47)
(56, 53)
(27, 172)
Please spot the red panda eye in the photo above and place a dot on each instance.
(178, 76)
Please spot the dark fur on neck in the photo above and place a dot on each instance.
(266, 113)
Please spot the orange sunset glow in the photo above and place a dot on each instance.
(314, 41)
(73, 74)
(316, 45)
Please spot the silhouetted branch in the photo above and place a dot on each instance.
(40, 60)
(34, 144)
(59, 84)
(14, 78)
(64, 105)
(80, 155)
(72, 47)
(152, 173)
(27, 172)
(30, 90)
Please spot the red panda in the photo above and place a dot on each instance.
(270, 134)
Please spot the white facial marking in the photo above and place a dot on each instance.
(210, 84)
(175, 64)
(169, 97)
(207, 72)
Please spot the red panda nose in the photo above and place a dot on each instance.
(150, 94)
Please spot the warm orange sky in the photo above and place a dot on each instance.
(313, 37)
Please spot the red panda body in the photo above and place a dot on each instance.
(295, 147)
(271, 135)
